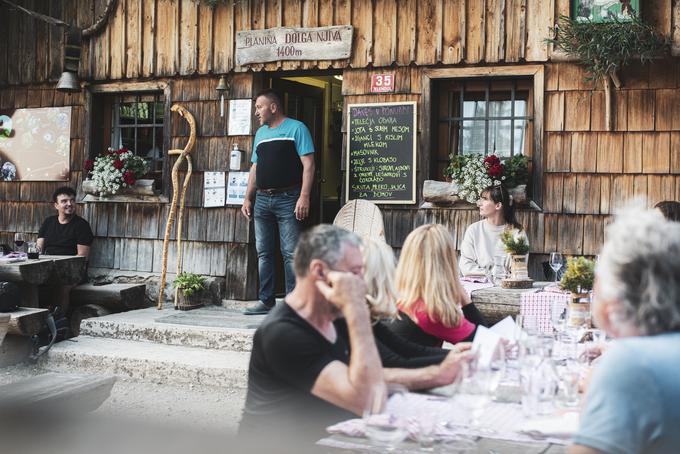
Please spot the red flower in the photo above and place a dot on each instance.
(492, 160)
(89, 164)
(118, 164)
(129, 177)
(496, 171)
(122, 150)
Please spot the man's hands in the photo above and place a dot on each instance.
(343, 290)
(302, 207)
(453, 367)
(247, 208)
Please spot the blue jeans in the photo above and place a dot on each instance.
(270, 210)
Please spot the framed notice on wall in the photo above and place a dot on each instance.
(605, 10)
(381, 152)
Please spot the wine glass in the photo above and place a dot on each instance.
(19, 240)
(383, 427)
(555, 263)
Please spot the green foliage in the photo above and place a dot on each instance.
(515, 242)
(189, 283)
(456, 163)
(606, 47)
(579, 275)
(516, 170)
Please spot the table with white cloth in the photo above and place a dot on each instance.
(503, 429)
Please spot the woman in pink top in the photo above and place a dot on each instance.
(433, 305)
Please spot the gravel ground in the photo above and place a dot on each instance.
(211, 411)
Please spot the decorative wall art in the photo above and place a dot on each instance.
(605, 10)
(35, 144)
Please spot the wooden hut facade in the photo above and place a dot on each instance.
(176, 51)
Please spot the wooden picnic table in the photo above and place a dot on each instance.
(496, 303)
(48, 269)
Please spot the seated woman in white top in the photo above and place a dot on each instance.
(481, 242)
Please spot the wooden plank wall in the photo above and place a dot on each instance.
(129, 236)
(588, 173)
(160, 38)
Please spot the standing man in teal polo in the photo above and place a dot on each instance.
(278, 194)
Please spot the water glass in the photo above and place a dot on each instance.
(382, 427)
(569, 376)
(538, 385)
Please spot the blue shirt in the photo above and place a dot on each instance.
(289, 129)
(277, 151)
(633, 400)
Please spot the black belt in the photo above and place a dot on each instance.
(278, 190)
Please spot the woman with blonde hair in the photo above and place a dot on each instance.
(404, 362)
(434, 304)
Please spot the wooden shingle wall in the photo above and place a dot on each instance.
(161, 38)
(129, 236)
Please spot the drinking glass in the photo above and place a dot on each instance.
(383, 427)
(555, 263)
(481, 386)
(19, 240)
(558, 316)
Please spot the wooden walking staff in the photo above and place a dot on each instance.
(184, 154)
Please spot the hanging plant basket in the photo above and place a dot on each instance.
(604, 48)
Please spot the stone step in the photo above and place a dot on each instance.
(211, 327)
(149, 362)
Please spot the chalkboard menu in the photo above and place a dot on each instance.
(381, 152)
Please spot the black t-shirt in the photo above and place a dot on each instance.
(287, 357)
(62, 239)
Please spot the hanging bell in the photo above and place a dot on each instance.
(68, 82)
(222, 85)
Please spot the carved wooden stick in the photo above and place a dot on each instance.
(183, 155)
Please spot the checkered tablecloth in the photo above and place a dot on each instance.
(539, 305)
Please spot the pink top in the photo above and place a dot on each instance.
(437, 329)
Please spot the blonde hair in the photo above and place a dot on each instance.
(379, 266)
(428, 271)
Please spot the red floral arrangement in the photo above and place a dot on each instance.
(494, 167)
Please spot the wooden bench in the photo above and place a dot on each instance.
(26, 321)
(89, 300)
(55, 394)
(4, 325)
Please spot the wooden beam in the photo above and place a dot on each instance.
(27, 321)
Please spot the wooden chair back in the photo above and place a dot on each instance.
(361, 217)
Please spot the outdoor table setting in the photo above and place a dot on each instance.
(520, 394)
(47, 269)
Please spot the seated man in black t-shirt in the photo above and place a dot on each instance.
(301, 376)
(65, 233)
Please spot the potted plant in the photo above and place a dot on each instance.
(190, 292)
(114, 171)
(516, 244)
(578, 279)
(604, 48)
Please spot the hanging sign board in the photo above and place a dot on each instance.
(287, 43)
(381, 152)
(382, 83)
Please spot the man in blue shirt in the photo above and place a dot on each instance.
(633, 400)
(280, 183)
